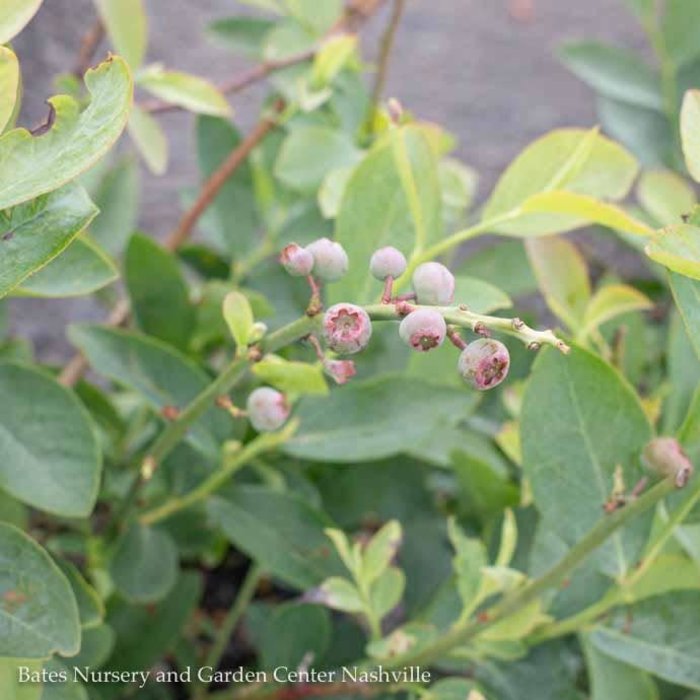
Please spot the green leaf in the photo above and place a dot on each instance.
(34, 166)
(127, 26)
(665, 195)
(614, 72)
(609, 302)
(52, 461)
(234, 209)
(309, 152)
(36, 232)
(384, 205)
(158, 292)
(144, 566)
(481, 297)
(280, 531)
(157, 372)
(293, 632)
(366, 420)
(386, 591)
(570, 402)
(292, 377)
(90, 606)
(184, 90)
(567, 159)
(317, 17)
(459, 184)
(340, 594)
(330, 194)
(381, 550)
(9, 85)
(453, 689)
(686, 293)
(39, 613)
(690, 132)
(63, 690)
(117, 197)
(97, 644)
(562, 274)
(81, 269)
(10, 686)
(659, 635)
(239, 318)
(609, 678)
(244, 34)
(469, 559)
(583, 210)
(14, 17)
(677, 248)
(150, 140)
(331, 58)
(680, 30)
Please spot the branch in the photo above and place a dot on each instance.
(88, 45)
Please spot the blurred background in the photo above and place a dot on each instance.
(485, 69)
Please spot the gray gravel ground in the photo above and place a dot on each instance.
(494, 82)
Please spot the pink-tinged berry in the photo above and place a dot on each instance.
(665, 456)
(423, 329)
(347, 328)
(387, 262)
(434, 284)
(297, 261)
(268, 409)
(330, 259)
(484, 363)
(342, 371)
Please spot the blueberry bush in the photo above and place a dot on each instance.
(311, 451)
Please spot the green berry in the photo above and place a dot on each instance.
(423, 329)
(330, 259)
(347, 328)
(665, 456)
(268, 409)
(297, 261)
(387, 262)
(434, 284)
(484, 363)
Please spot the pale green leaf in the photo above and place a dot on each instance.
(381, 550)
(9, 85)
(52, 461)
(239, 318)
(567, 159)
(291, 377)
(150, 140)
(90, 605)
(244, 34)
(678, 249)
(583, 209)
(331, 58)
(81, 269)
(316, 17)
(665, 195)
(14, 17)
(76, 140)
(481, 297)
(614, 72)
(184, 90)
(10, 685)
(509, 539)
(144, 566)
(127, 26)
(686, 294)
(340, 594)
(39, 615)
(35, 232)
(386, 591)
(562, 275)
(571, 401)
(469, 560)
(690, 132)
(392, 198)
(610, 301)
(330, 194)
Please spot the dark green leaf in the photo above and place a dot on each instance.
(90, 605)
(244, 34)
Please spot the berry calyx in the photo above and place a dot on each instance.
(347, 328)
(267, 409)
(665, 456)
(434, 284)
(484, 363)
(387, 262)
(423, 329)
(297, 261)
(341, 371)
(330, 259)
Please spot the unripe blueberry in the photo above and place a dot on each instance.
(330, 259)
(484, 363)
(297, 261)
(433, 283)
(268, 409)
(387, 262)
(423, 329)
(347, 328)
(665, 456)
(340, 370)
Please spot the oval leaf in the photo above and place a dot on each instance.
(51, 461)
(127, 26)
(678, 249)
(9, 85)
(15, 15)
(150, 140)
(186, 91)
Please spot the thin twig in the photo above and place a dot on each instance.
(88, 45)
(387, 44)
